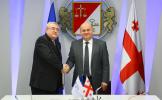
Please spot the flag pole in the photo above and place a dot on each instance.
(98, 90)
(63, 82)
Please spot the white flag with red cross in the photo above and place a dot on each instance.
(87, 89)
(132, 67)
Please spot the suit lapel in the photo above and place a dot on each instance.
(94, 48)
(53, 46)
(58, 48)
(80, 49)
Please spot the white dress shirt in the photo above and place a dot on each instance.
(90, 45)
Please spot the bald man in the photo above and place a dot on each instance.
(90, 58)
(46, 76)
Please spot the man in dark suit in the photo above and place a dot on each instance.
(90, 57)
(46, 76)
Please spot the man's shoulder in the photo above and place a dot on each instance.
(41, 38)
(98, 41)
(77, 41)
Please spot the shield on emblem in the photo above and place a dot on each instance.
(87, 12)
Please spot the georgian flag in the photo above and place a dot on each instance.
(132, 68)
(87, 89)
(87, 12)
(82, 88)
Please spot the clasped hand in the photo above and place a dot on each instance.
(66, 68)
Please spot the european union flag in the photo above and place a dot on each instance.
(52, 16)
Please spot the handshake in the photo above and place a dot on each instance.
(66, 68)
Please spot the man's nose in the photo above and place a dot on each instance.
(55, 30)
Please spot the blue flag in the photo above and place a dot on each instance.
(52, 16)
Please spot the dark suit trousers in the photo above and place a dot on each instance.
(36, 91)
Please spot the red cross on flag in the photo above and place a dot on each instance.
(87, 89)
(132, 68)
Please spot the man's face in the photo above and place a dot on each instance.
(86, 31)
(52, 30)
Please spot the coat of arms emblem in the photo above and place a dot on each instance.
(99, 14)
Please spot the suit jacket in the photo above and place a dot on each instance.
(47, 65)
(99, 61)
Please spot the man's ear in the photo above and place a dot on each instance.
(46, 29)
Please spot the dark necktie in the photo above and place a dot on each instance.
(86, 60)
(55, 46)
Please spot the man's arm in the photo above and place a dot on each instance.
(48, 55)
(71, 59)
(105, 62)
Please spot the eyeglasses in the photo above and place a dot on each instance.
(53, 28)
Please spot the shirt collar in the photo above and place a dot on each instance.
(90, 41)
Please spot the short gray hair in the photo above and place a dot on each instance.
(52, 23)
